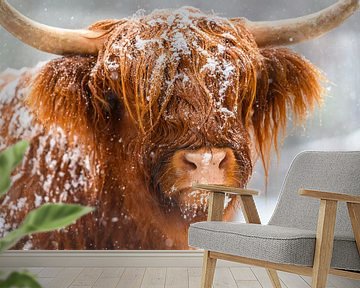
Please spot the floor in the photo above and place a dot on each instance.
(153, 277)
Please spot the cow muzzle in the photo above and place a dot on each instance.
(207, 166)
(188, 167)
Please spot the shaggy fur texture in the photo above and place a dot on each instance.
(163, 83)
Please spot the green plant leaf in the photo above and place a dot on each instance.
(10, 239)
(4, 184)
(53, 216)
(9, 159)
(46, 218)
(19, 280)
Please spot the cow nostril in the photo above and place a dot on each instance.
(224, 162)
(189, 165)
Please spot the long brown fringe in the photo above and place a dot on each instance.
(266, 83)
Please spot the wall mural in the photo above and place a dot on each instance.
(136, 110)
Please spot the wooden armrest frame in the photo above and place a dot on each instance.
(215, 213)
(225, 189)
(326, 226)
(330, 196)
(217, 198)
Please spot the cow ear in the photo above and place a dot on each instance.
(287, 83)
(61, 95)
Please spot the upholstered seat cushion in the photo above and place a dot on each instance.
(270, 243)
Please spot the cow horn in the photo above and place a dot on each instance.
(46, 38)
(295, 30)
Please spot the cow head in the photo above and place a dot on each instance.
(189, 97)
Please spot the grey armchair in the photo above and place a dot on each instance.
(310, 232)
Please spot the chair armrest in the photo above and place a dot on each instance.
(353, 205)
(323, 195)
(225, 189)
(216, 201)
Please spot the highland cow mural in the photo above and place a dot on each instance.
(138, 109)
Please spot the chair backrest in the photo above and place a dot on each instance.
(327, 171)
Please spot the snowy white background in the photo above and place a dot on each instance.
(335, 127)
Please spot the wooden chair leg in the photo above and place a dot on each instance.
(354, 212)
(324, 243)
(208, 270)
(274, 278)
(215, 213)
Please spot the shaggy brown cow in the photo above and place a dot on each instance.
(141, 108)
